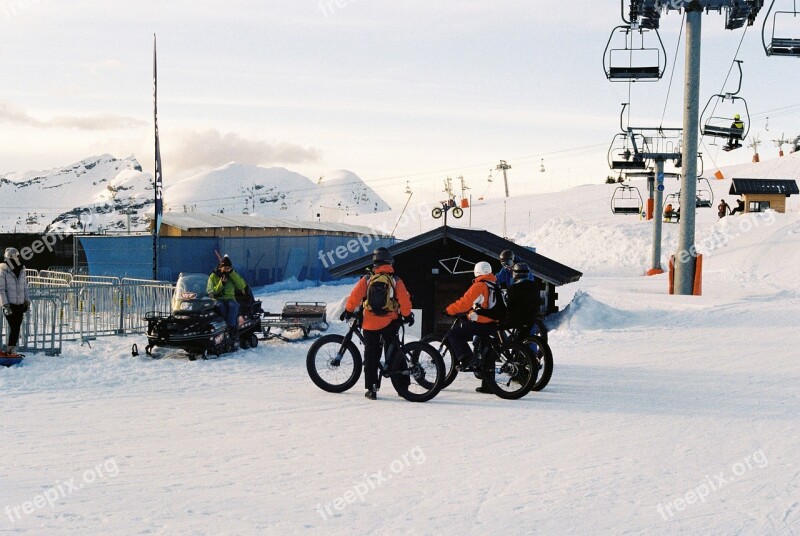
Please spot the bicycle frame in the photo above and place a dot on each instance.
(390, 347)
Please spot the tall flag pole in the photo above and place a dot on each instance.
(157, 178)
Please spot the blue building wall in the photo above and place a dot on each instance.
(261, 260)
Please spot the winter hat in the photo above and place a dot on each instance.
(11, 253)
(226, 261)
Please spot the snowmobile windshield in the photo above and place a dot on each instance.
(191, 288)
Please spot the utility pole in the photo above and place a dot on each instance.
(657, 189)
(448, 188)
(754, 144)
(464, 188)
(780, 143)
(504, 166)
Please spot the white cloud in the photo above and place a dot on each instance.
(210, 148)
(17, 116)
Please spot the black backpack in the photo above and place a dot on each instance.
(380, 298)
(497, 309)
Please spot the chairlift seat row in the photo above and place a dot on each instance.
(627, 210)
(782, 21)
(628, 164)
(723, 132)
(783, 47)
(633, 73)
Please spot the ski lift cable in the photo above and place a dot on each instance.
(672, 74)
(730, 70)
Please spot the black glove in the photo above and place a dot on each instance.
(346, 315)
(26, 306)
(408, 320)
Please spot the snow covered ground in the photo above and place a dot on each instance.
(665, 414)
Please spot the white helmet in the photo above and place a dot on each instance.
(482, 268)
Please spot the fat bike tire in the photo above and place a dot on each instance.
(544, 357)
(417, 372)
(514, 376)
(333, 364)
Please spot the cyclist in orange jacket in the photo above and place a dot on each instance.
(480, 295)
(385, 300)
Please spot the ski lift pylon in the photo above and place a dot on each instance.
(783, 45)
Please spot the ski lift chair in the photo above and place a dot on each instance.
(720, 126)
(626, 200)
(784, 45)
(620, 156)
(674, 215)
(630, 63)
(704, 195)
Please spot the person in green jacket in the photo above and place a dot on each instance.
(222, 286)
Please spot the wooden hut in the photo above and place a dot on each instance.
(437, 269)
(762, 194)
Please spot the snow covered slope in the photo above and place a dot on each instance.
(665, 415)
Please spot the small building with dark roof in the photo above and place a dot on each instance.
(762, 194)
(437, 268)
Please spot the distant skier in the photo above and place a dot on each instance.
(723, 209)
(14, 298)
(739, 207)
(738, 128)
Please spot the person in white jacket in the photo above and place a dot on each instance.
(14, 299)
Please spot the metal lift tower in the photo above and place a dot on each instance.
(647, 13)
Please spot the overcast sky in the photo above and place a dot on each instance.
(390, 90)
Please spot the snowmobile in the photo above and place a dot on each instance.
(8, 359)
(195, 325)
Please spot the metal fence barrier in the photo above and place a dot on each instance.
(85, 308)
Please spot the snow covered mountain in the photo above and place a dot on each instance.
(92, 194)
(278, 192)
(111, 194)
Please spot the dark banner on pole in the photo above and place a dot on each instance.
(158, 173)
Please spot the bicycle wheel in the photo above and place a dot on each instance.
(450, 370)
(544, 358)
(417, 372)
(333, 364)
(512, 372)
